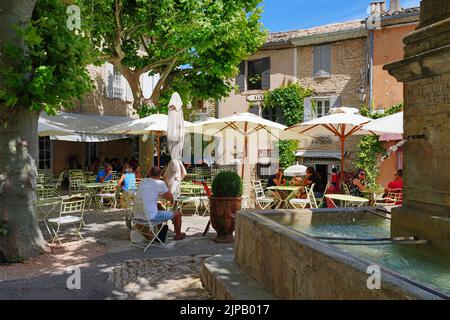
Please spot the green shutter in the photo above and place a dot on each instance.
(265, 83)
(240, 79)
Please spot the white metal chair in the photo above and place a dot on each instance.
(310, 199)
(71, 213)
(148, 229)
(393, 197)
(75, 186)
(107, 195)
(263, 201)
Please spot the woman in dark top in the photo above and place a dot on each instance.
(312, 177)
(358, 183)
(277, 179)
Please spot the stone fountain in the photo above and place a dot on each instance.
(425, 72)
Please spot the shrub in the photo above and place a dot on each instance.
(227, 184)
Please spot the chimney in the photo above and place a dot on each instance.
(394, 5)
(378, 7)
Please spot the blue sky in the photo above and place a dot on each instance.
(283, 15)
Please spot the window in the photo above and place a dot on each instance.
(322, 107)
(254, 78)
(117, 84)
(254, 75)
(91, 152)
(275, 115)
(45, 154)
(322, 61)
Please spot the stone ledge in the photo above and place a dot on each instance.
(227, 281)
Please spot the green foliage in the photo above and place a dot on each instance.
(51, 72)
(370, 149)
(204, 39)
(287, 152)
(227, 184)
(290, 99)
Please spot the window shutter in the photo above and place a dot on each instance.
(265, 83)
(317, 61)
(240, 79)
(307, 109)
(335, 101)
(126, 89)
(326, 59)
(109, 79)
(146, 85)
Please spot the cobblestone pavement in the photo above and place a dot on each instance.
(160, 279)
(116, 270)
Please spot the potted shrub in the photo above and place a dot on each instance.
(225, 201)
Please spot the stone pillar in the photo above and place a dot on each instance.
(425, 72)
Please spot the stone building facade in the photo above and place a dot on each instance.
(330, 60)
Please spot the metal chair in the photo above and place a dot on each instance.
(310, 199)
(263, 201)
(108, 195)
(151, 231)
(393, 197)
(75, 186)
(71, 213)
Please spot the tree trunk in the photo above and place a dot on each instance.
(18, 151)
(18, 145)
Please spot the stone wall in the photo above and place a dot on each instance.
(347, 71)
(98, 103)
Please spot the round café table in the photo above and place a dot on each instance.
(283, 194)
(348, 201)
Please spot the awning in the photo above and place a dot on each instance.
(318, 154)
(84, 126)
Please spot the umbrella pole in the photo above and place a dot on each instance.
(159, 149)
(245, 149)
(342, 158)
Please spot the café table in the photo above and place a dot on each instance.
(283, 194)
(92, 189)
(347, 201)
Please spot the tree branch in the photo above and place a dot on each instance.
(118, 37)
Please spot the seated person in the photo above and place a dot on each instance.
(358, 184)
(105, 174)
(395, 185)
(128, 184)
(296, 181)
(150, 189)
(277, 179)
(312, 177)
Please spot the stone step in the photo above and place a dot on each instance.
(227, 281)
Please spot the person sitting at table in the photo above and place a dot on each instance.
(296, 181)
(105, 174)
(94, 165)
(312, 177)
(396, 185)
(277, 179)
(149, 190)
(137, 171)
(358, 183)
(128, 184)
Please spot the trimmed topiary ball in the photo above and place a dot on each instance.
(227, 184)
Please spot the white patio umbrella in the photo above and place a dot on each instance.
(175, 171)
(245, 124)
(153, 124)
(295, 170)
(388, 124)
(341, 122)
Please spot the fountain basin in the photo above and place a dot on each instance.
(291, 264)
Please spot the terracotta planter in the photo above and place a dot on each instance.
(223, 211)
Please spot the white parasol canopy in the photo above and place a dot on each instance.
(175, 171)
(295, 170)
(388, 124)
(245, 124)
(341, 122)
(153, 124)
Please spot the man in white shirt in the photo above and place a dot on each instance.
(150, 189)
